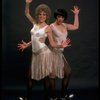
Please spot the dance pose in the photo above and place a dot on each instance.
(41, 64)
(61, 67)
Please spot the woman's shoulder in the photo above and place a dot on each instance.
(51, 24)
(64, 24)
(48, 29)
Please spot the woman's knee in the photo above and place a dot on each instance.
(52, 76)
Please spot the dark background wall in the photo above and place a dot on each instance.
(82, 55)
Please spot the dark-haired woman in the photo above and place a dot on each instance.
(61, 68)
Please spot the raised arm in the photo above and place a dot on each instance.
(27, 12)
(75, 25)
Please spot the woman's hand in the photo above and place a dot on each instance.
(75, 10)
(66, 43)
(28, 1)
(23, 45)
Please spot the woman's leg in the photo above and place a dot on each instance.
(29, 85)
(66, 79)
(46, 88)
(52, 87)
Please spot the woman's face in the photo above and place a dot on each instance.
(42, 16)
(60, 19)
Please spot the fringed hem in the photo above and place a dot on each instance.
(41, 64)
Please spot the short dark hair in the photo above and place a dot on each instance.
(61, 12)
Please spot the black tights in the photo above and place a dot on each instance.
(52, 87)
(66, 79)
(65, 82)
(29, 90)
(49, 84)
(30, 85)
(46, 88)
(64, 91)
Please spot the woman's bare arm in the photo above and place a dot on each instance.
(27, 12)
(76, 19)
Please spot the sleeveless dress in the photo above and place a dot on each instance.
(59, 61)
(41, 55)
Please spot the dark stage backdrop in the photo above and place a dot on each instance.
(82, 55)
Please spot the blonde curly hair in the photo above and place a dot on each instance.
(45, 8)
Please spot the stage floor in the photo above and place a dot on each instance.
(79, 94)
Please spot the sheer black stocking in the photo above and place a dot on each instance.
(65, 80)
(29, 85)
(46, 88)
(52, 87)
